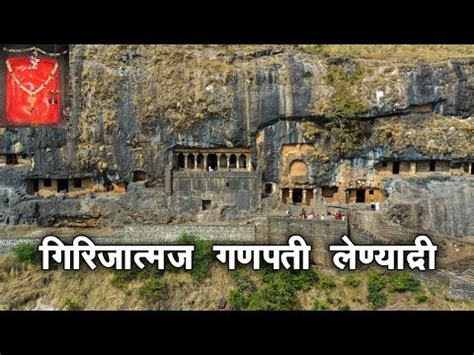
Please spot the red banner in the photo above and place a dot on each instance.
(32, 91)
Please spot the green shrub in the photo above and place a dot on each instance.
(243, 281)
(202, 256)
(294, 279)
(122, 278)
(421, 297)
(238, 300)
(376, 297)
(319, 305)
(403, 282)
(326, 282)
(26, 253)
(352, 280)
(274, 296)
(304, 279)
(344, 102)
(70, 305)
(152, 290)
(278, 291)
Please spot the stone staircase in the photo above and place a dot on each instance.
(21, 194)
(372, 224)
(462, 286)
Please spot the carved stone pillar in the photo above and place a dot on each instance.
(249, 162)
(219, 161)
(186, 160)
(304, 196)
(238, 161)
(228, 160)
(290, 196)
(205, 162)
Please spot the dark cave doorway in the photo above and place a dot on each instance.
(297, 196)
(360, 195)
(233, 161)
(181, 163)
(212, 161)
(62, 185)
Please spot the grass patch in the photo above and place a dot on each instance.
(326, 282)
(71, 305)
(243, 281)
(320, 305)
(152, 290)
(352, 280)
(238, 299)
(10, 263)
(403, 282)
(375, 285)
(277, 292)
(122, 278)
(344, 307)
(397, 282)
(421, 297)
(400, 53)
(26, 253)
(202, 256)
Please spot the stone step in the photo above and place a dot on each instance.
(467, 276)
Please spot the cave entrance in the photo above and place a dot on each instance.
(297, 195)
(62, 185)
(181, 163)
(200, 161)
(206, 204)
(212, 161)
(223, 161)
(32, 186)
(233, 161)
(360, 195)
(139, 175)
(242, 161)
(12, 159)
(191, 161)
(395, 168)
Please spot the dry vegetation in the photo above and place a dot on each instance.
(431, 134)
(400, 53)
(23, 286)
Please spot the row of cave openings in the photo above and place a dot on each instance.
(63, 185)
(304, 196)
(204, 162)
(13, 159)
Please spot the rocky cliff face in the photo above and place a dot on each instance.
(439, 206)
(131, 104)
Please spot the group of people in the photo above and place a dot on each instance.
(338, 216)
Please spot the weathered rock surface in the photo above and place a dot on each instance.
(442, 205)
(131, 105)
